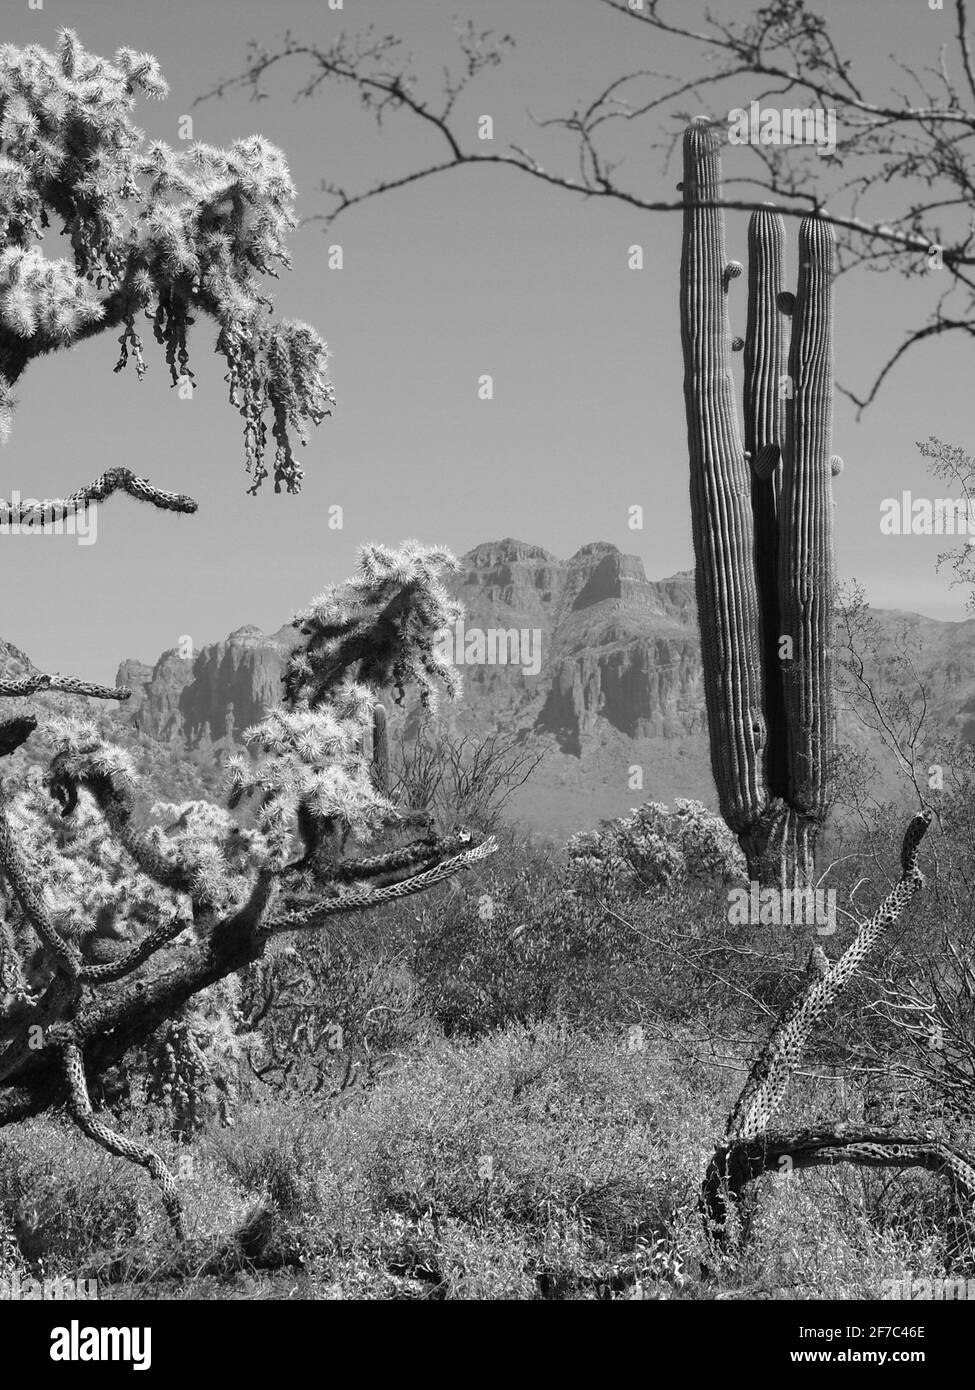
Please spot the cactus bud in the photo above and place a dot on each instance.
(766, 461)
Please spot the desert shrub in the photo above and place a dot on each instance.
(274, 1154)
(538, 938)
(322, 1011)
(532, 1160)
(508, 952)
(70, 1208)
(460, 779)
(654, 847)
(62, 1200)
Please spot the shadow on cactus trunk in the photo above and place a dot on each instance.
(780, 847)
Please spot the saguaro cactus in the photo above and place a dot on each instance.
(761, 513)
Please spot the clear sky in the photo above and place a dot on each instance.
(476, 271)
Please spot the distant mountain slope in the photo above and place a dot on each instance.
(615, 648)
(601, 665)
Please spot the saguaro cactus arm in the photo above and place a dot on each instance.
(764, 417)
(806, 577)
(721, 507)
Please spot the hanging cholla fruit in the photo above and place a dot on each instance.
(721, 519)
(380, 750)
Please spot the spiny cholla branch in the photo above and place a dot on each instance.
(18, 872)
(737, 1164)
(421, 852)
(85, 762)
(64, 685)
(772, 1070)
(361, 900)
(79, 1104)
(379, 629)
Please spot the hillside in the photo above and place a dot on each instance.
(587, 656)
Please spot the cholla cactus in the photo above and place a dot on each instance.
(399, 601)
(192, 1067)
(83, 864)
(89, 896)
(153, 233)
(762, 522)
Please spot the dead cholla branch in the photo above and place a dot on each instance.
(750, 1147)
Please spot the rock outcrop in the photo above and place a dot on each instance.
(565, 644)
(595, 661)
(180, 698)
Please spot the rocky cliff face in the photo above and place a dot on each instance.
(601, 664)
(551, 645)
(217, 692)
(14, 664)
(615, 647)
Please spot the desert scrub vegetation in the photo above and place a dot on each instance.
(453, 1116)
(545, 1162)
(654, 847)
(525, 1164)
(512, 1091)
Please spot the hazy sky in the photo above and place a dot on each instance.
(477, 271)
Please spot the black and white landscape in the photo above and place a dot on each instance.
(487, 683)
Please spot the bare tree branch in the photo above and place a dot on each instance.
(889, 139)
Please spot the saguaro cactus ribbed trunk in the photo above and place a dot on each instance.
(761, 513)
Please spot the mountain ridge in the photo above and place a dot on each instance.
(618, 696)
